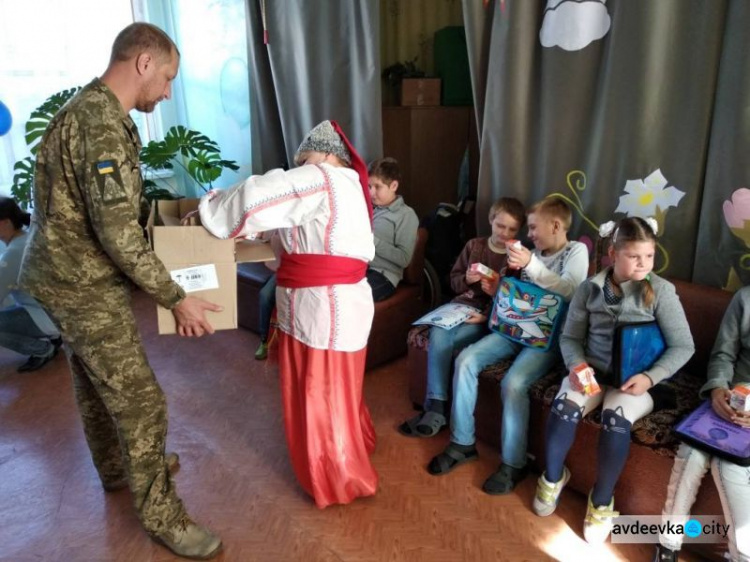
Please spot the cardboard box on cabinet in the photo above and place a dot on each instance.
(420, 91)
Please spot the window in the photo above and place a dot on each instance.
(47, 46)
(211, 92)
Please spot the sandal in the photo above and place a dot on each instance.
(504, 480)
(426, 424)
(452, 457)
(409, 427)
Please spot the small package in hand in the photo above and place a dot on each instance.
(585, 375)
(739, 399)
(484, 271)
(516, 245)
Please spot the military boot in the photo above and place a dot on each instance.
(173, 465)
(190, 540)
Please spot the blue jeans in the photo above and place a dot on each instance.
(267, 300)
(529, 366)
(19, 333)
(443, 343)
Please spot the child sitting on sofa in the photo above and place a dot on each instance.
(627, 291)
(506, 216)
(557, 265)
(729, 366)
(394, 225)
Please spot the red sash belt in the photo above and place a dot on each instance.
(318, 270)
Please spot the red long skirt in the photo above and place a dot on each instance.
(328, 426)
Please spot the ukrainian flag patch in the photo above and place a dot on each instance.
(109, 182)
(105, 166)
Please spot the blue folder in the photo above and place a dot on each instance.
(637, 346)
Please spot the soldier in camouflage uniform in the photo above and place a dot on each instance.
(86, 248)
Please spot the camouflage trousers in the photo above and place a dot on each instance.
(122, 406)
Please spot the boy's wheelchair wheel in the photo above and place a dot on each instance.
(432, 293)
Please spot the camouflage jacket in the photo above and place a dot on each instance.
(87, 201)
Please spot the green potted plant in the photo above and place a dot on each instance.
(394, 76)
(23, 170)
(196, 154)
(190, 150)
(396, 72)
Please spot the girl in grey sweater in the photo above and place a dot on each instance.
(625, 292)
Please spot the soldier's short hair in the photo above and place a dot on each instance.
(142, 37)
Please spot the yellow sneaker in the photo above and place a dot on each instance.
(548, 494)
(599, 521)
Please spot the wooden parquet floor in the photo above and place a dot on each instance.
(225, 422)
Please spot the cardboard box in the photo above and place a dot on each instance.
(420, 91)
(205, 266)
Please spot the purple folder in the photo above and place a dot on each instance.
(705, 430)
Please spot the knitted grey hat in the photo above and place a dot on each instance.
(323, 138)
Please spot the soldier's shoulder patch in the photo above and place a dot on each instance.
(105, 166)
(109, 182)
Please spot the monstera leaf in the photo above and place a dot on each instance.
(152, 192)
(189, 142)
(23, 181)
(42, 115)
(191, 150)
(23, 177)
(156, 156)
(206, 167)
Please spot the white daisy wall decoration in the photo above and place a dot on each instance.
(648, 197)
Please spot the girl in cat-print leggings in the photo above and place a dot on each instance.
(625, 292)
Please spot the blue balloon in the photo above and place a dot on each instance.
(5, 119)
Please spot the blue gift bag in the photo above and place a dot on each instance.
(527, 314)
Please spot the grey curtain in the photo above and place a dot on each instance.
(322, 62)
(722, 251)
(623, 107)
(267, 139)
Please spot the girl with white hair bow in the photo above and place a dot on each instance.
(626, 292)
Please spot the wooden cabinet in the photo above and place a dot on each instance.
(429, 143)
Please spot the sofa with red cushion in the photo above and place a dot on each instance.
(642, 487)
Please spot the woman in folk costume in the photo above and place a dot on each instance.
(324, 304)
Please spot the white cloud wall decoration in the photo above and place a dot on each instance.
(574, 24)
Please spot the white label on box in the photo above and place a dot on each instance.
(198, 278)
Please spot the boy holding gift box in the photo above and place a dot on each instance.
(506, 217)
